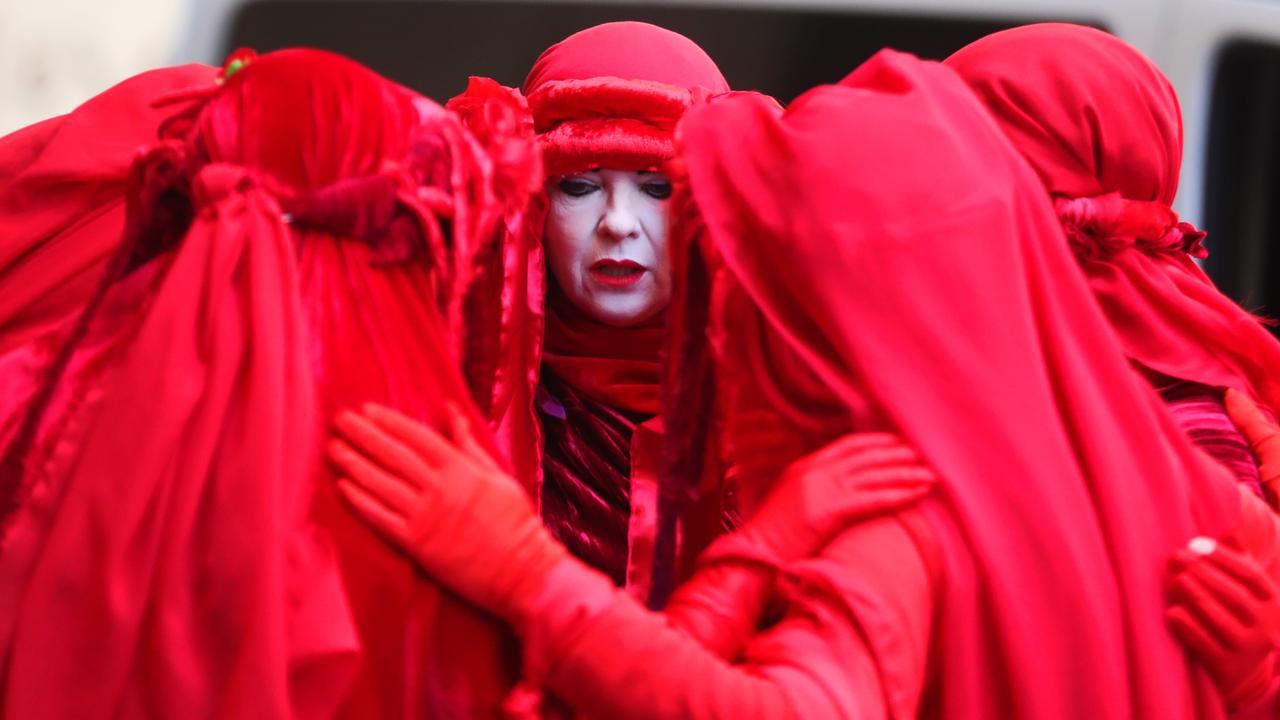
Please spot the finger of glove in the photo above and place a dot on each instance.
(1242, 568)
(842, 449)
(860, 468)
(882, 457)
(385, 522)
(866, 449)
(909, 478)
(384, 447)
(896, 493)
(1187, 591)
(388, 489)
(1249, 419)
(837, 498)
(1230, 592)
(1191, 633)
(429, 445)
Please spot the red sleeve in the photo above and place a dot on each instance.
(1259, 535)
(852, 641)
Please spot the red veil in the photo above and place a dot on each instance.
(891, 237)
(303, 241)
(1101, 126)
(62, 197)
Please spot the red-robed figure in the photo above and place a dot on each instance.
(302, 236)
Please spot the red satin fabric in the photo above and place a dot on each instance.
(627, 51)
(611, 365)
(62, 197)
(1093, 116)
(936, 286)
(183, 466)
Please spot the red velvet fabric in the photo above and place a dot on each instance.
(925, 275)
(610, 96)
(338, 223)
(62, 197)
(1097, 120)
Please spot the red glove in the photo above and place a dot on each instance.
(851, 479)
(1226, 610)
(447, 504)
(854, 478)
(1263, 437)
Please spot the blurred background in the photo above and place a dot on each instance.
(1222, 55)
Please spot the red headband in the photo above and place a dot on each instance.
(611, 95)
(606, 122)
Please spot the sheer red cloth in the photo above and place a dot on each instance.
(1101, 126)
(306, 240)
(63, 183)
(926, 278)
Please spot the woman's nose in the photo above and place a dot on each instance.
(620, 220)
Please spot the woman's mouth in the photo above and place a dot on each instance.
(616, 273)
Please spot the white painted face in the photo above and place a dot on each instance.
(606, 243)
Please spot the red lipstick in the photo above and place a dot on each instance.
(616, 273)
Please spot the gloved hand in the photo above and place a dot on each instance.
(446, 504)
(1226, 610)
(855, 477)
(1263, 436)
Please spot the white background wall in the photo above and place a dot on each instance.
(55, 54)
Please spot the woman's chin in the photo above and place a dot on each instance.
(623, 314)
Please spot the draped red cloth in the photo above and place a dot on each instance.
(925, 273)
(334, 224)
(1101, 126)
(62, 197)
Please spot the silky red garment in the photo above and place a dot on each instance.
(1064, 484)
(62, 193)
(1093, 116)
(184, 458)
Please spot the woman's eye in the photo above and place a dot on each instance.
(658, 189)
(577, 188)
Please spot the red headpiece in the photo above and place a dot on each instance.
(610, 96)
(1101, 126)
